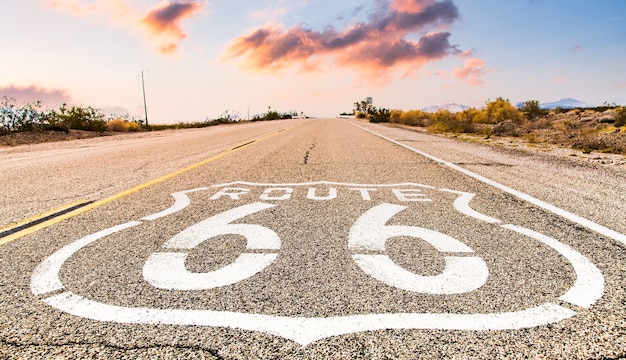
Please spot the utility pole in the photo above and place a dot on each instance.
(145, 107)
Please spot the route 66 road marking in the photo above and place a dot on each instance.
(464, 270)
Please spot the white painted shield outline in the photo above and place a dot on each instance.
(587, 289)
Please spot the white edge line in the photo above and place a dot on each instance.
(603, 230)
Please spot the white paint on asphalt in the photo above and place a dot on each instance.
(304, 330)
(461, 274)
(589, 285)
(181, 201)
(258, 237)
(369, 233)
(45, 278)
(603, 230)
(168, 271)
(462, 204)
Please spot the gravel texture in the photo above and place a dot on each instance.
(314, 275)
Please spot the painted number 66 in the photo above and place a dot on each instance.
(167, 270)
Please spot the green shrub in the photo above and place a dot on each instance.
(532, 110)
(78, 118)
(380, 115)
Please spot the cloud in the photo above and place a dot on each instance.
(114, 111)
(472, 72)
(47, 97)
(164, 23)
(160, 25)
(377, 48)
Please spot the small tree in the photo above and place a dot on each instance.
(362, 109)
(532, 110)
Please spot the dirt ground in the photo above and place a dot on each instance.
(563, 151)
(36, 137)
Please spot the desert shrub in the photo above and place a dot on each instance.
(498, 111)
(395, 116)
(620, 117)
(15, 118)
(121, 125)
(612, 142)
(566, 125)
(507, 128)
(380, 115)
(445, 121)
(532, 110)
(79, 118)
(415, 118)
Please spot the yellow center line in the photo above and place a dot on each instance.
(41, 216)
(98, 203)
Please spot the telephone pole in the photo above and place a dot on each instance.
(145, 107)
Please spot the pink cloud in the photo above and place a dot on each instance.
(164, 22)
(47, 97)
(160, 26)
(472, 72)
(377, 49)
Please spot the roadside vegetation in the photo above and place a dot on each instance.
(601, 128)
(29, 123)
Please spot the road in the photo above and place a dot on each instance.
(312, 239)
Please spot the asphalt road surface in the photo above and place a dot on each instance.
(308, 239)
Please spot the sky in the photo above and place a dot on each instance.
(202, 58)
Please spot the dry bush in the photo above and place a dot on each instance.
(121, 125)
(414, 118)
(614, 142)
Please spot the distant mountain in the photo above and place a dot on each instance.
(453, 108)
(567, 103)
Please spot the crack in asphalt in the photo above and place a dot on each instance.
(211, 352)
(307, 154)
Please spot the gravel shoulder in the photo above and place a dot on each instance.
(590, 185)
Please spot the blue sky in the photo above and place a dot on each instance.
(204, 57)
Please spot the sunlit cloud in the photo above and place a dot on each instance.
(378, 49)
(31, 94)
(164, 23)
(159, 25)
(472, 72)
